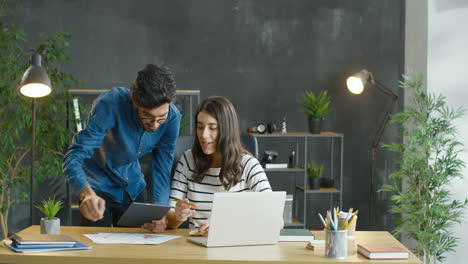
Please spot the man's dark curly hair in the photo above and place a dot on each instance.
(153, 87)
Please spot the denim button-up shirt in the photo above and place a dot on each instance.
(105, 154)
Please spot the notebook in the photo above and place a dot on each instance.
(241, 219)
(36, 239)
(12, 246)
(295, 235)
(382, 251)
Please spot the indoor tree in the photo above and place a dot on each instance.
(52, 136)
(429, 162)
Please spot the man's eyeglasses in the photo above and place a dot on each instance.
(150, 120)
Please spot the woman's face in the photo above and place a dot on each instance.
(207, 133)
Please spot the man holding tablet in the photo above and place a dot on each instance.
(123, 125)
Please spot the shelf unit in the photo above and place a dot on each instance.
(335, 169)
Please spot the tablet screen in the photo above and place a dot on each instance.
(139, 213)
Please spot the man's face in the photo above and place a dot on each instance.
(152, 118)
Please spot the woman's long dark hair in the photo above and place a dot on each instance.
(228, 145)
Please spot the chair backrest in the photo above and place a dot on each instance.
(183, 143)
(250, 143)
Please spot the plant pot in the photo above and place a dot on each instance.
(314, 183)
(326, 182)
(51, 227)
(315, 125)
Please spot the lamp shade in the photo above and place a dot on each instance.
(357, 82)
(35, 81)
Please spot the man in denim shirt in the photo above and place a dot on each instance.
(102, 163)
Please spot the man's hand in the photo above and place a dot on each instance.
(183, 210)
(156, 226)
(92, 206)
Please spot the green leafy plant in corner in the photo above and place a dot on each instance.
(50, 207)
(316, 107)
(314, 170)
(425, 209)
(15, 111)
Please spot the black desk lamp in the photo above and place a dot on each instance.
(35, 83)
(356, 84)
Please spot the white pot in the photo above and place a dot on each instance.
(51, 227)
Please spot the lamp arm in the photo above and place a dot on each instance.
(384, 89)
(375, 144)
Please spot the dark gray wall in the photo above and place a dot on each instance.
(261, 54)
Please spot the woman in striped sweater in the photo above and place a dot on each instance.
(217, 162)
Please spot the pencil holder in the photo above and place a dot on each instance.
(336, 244)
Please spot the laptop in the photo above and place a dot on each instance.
(246, 218)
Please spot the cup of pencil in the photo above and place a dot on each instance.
(336, 232)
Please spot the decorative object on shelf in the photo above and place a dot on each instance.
(292, 159)
(271, 127)
(283, 126)
(356, 84)
(314, 172)
(50, 224)
(269, 156)
(431, 158)
(259, 128)
(316, 108)
(327, 182)
(288, 209)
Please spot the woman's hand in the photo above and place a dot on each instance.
(204, 227)
(183, 210)
(156, 226)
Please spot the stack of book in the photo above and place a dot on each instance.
(40, 243)
(295, 235)
(316, 245)
(382, 251)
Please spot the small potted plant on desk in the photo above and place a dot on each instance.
(316, 108)
(314, 171)
(50, 224)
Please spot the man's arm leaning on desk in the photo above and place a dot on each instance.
(84, 143)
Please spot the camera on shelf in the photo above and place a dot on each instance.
(261, 128)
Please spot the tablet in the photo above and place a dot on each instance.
(139, 213)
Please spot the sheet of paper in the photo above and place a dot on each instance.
(129, 238)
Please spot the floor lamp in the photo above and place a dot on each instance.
(35, 83)
(356, 84)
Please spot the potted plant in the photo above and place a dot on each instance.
(50, 224)
(314, 172)
(316, 108)
(429, 161)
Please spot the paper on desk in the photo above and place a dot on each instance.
(129, 238)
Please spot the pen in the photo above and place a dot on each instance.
(189, 203)
(323, 221)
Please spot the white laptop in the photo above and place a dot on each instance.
(246, 218)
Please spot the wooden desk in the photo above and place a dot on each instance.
(181, 251)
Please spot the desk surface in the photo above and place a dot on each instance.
(181, 251)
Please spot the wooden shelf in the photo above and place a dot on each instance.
(285, 170)
(297, 134)
(321, 190)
